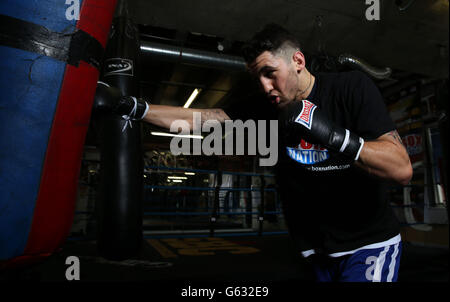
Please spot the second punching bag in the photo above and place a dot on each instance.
(119, 204)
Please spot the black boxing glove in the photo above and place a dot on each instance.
(303, 119)
(110, 99)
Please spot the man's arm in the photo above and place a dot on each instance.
(386, 157)
(163, 116)
(110, 99)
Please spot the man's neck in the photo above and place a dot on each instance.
(309, 84)
(308, 91)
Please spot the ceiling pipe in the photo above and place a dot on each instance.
(208, 59)
(179, 54)
(402, 7)
(378, 73)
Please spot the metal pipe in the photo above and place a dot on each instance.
(190, 56)
(403, 7)
(179, 54)
(347, 59)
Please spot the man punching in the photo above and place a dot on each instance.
(335, 204)
(338, 150)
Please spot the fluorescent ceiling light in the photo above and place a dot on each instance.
(177, 177)
(176, 135)
(192, 97)
(177, 180)
(189, 173)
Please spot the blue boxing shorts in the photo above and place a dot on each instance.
(379, 264)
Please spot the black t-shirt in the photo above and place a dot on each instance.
(329, 204)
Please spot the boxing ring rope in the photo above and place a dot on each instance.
(207, 171)
(205, 188)
(215, 211)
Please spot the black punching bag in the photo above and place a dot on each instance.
(119, 206)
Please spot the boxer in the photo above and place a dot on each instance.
(335, 205)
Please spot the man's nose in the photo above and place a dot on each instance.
(266, 85)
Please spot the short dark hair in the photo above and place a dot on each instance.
(270, 38)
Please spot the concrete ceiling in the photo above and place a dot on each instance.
(414, 39)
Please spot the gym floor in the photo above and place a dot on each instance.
(219, 259)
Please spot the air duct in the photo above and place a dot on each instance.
(208, 59)
(178, 54)
(352, 61)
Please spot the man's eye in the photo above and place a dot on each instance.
(269, 74)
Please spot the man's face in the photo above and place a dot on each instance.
(277, 77)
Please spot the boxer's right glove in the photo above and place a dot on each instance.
(303, 119)
(110, 99)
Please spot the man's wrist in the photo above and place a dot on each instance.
(346, 142)
(137, 108)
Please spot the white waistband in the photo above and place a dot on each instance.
(393, 240)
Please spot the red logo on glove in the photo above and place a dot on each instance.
(306, 115)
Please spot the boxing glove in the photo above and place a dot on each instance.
(304, 120)
(110, 99)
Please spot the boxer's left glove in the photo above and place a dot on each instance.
(110, 99)
(304, 120)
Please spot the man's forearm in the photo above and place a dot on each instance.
(164, 116)
(386, 158)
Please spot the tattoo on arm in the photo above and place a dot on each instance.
(396, 136)
(214, 114)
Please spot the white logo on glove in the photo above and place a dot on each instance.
(305, 117)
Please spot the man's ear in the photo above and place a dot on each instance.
(299, 60)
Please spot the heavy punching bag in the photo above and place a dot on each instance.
(119, 203)
(50, 54)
